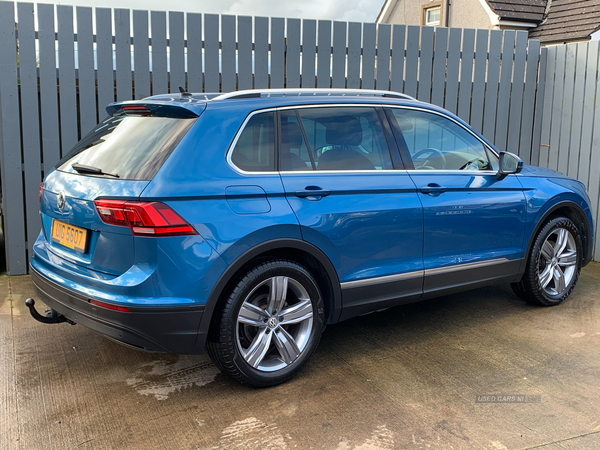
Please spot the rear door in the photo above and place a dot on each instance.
(353, 202)
(473, 223)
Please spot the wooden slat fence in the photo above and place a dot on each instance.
(570, 125)
(66, 75)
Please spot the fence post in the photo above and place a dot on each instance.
(539, 108)
(30, 124)
(10, 145)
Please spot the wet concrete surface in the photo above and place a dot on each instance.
(406, 378)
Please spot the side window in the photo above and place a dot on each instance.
(437, 143)
(255, 149)
(343, 138)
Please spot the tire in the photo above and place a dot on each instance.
(553, 265)
(269, 325)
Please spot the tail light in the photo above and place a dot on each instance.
(143, 218)
(41, 190)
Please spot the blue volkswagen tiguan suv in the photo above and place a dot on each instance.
(243, 223)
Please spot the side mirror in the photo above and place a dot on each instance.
(509, 163)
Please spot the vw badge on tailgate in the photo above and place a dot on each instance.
(61, 201)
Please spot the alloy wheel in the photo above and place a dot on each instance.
(558, 262)
(274, 323)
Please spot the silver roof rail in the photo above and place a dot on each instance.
(255, 93)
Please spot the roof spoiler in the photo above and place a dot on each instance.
(150, 110)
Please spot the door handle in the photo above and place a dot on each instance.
(433, 189)
(313, 193)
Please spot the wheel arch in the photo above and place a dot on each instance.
(315, 261)
(571, 210)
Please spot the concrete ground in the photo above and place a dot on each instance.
(407, 378)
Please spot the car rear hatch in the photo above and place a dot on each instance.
(115, 161)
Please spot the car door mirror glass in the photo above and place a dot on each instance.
(509, 163)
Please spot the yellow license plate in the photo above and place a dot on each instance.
(69, 236)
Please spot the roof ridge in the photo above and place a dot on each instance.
(531, 11)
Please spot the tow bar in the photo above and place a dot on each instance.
(50, 316)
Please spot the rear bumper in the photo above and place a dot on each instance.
(153, 329)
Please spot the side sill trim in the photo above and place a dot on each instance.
(475, 265)
(419, 273)
(381, 280)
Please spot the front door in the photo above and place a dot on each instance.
(473, 223)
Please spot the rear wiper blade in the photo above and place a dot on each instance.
(82, 168)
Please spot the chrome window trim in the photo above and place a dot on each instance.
(466, 172)
(283, 108)
(415, 274)
(333, 172)
(364, 105)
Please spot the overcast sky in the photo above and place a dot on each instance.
(344, 10)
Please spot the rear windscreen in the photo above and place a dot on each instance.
(132, 147)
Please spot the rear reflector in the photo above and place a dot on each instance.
(143, 218)
(41, 190)
(108, 306)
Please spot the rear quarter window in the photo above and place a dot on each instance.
(254, 150)
(134, 148)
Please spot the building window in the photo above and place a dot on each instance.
(432, 15)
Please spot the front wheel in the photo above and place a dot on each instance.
(553, 265)
(269, 325)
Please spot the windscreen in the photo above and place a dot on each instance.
(132, 147)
